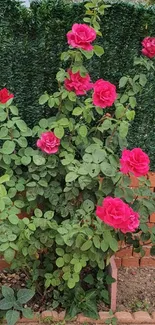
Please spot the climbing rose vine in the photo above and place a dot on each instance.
(66, 195)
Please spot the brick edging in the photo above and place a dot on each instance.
(139, 317)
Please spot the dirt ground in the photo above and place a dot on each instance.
(136, 289)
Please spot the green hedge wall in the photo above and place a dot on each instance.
(30, 46)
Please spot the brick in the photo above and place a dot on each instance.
(46, 314)
(62, 315)
(147, 252)
(130, 261)
(152, 217)
(151, 177)
(153, 315)
(142, 317)
(147, 261)
(118, 262)
(150, 225)
(124, 317)
(134, 181)
(104, 315)
(127, 251)
(3, 265)
(82, 319)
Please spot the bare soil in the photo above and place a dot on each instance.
(136, 289)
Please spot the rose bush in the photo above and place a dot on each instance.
(67, 201)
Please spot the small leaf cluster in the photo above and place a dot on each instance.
(13, 304)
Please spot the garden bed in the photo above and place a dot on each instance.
(136, 289)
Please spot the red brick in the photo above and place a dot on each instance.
(125, 252)
(153, 315)
(124, 317)
(130, 261)
(142, 317)
(3, 264)
(104, 315)
(46, 314)
(150, 225)
(147, 261)
(134, 181)
(118, 262)
(151, 177)
(152, 217)
(62, 315)
(147, 252)
(82, 319)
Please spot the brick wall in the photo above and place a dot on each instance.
(126, 256)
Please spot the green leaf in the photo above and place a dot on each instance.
(39, 160)
(142, 79)
(99, 51)
(123, 129)
(77, 111)
(133, 102)
(9, 255)
(60, 262)
(89, 279)
(86, 246)
(123, 82)
(71, 283)
(4, 178)
(130, 115)
(98, 155)
(104, 245)
(22, 142)
(13, 219)
(4, 247)
(21, 125)
(14, 110)
(59, 132)
(96, 241)
(6, 303)
(124, 98)
(24, 295)
(25, 160)
(27, 313)
(8, 147)
(107, 169)
(12, 317)
(72, 96)
(7, 292)
(113, 244)
(119, 112)
(82, 131)
(43, 99)
(88, 206)
(70, 177)
(60, 252)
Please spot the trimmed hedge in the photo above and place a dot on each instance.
(31, 42)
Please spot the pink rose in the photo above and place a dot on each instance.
(104, 93)
(134, 161)
(77, 83)
(5, 95)
(149, 47)
(81, 36)
(48, 142)
(117, 214)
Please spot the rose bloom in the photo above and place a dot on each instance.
(134, 161)
(77, 83)
(149, 47)
(104, 93)
(81, 36)
(117, 214)
(5, 96)
(48, 142)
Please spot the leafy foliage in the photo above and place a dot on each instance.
(48, 225)
(13, 304)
